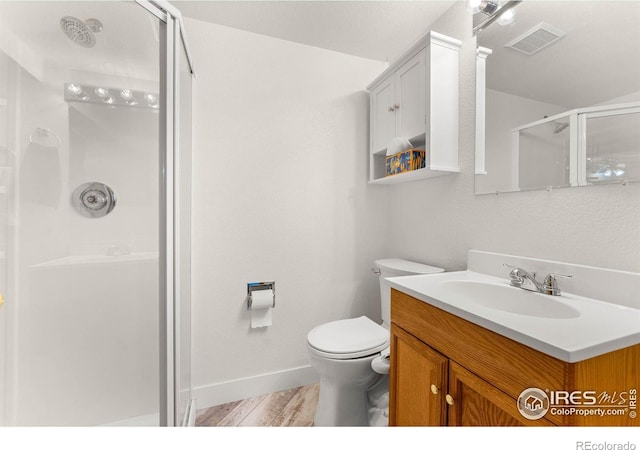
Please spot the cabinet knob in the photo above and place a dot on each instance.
(449, 399)
(392, 108)
(434, 389)
(396, 106)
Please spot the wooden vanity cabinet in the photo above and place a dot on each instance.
(448, 371)
(477, 403)
(418, 377)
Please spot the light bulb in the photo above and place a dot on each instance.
(473, 6)
(507, 17)
(74, 89)
(102, 92)
(152, 100)
(126, 94)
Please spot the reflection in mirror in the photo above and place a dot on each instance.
(558, 95)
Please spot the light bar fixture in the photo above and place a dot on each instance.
(99, 95)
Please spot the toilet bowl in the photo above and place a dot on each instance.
(352, 358)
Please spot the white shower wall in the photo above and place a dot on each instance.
(281, 194)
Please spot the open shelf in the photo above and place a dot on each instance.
(414, 175)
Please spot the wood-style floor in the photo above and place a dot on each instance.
(291, 408)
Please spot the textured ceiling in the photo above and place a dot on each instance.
(597, 60)
(379, 30)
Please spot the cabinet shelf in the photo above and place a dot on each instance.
(414, 175)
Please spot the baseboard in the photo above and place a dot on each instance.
(242, 388)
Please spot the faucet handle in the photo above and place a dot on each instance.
(550, 285)
(518, 275)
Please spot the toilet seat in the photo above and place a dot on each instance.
(348, 339)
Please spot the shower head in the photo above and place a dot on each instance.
(559, 126)
(82, 33)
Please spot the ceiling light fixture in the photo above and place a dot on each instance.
(497, 11)
(487, 7)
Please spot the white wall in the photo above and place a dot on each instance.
(280, 194)
(592, 225)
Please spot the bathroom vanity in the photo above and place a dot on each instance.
(448, 370)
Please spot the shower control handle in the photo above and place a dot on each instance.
(93, 199)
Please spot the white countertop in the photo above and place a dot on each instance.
(596, 327)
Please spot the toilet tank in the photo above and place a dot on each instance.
(394, 267)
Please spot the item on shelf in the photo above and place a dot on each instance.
(405, 161)
(398, 145)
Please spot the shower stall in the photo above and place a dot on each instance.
(95, 199)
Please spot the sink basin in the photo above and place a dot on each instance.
(506, 298)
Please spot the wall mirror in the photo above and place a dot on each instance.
(558, 95)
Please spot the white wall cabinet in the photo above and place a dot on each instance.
(397, 104)
(416, 98)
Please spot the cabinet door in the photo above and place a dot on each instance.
(415, 368)
(383, 121)
(478, 403)
(410, 103)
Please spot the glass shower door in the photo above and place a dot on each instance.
(79, 213)
(184, 408)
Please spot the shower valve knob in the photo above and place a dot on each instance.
(93, 199)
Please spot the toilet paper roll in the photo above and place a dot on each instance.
(261, 306)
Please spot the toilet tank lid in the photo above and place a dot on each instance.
(404, 267)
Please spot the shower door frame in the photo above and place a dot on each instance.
(172, 40)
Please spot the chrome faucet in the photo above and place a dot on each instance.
(524, 280)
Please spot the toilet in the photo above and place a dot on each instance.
(352, 358)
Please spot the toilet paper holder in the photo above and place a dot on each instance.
(260, 286)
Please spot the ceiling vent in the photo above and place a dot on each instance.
(536, 39)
